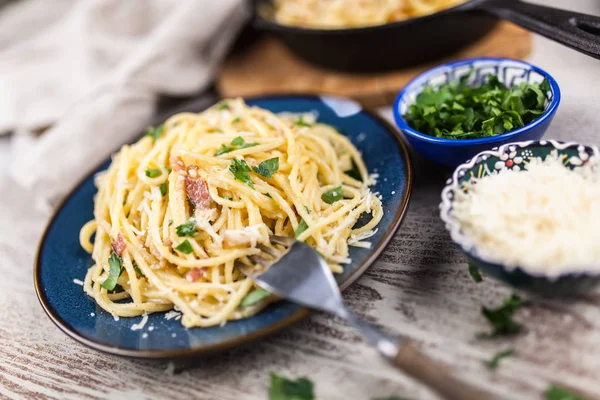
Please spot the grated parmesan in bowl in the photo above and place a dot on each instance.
(541, 216)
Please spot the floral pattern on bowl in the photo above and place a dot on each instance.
(513, 156)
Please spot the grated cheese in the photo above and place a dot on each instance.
(137, 327)
(544, 219)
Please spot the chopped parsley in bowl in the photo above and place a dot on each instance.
(454, 111)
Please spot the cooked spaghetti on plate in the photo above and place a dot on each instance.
(339, 14)
(175, 211)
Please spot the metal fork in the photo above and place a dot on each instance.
(297, 273)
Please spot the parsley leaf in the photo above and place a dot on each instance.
(114, 263)
(301, 122)
(254, 297)
(457, 110)
(555, 392)
(501, 318)
(268, 167)
(332, 195)
(153, 173)
(164, 188)
(240, 170)
(354, 172)
(236, 120)
(222, 106)
(155, 133)
(302, 226)
(224, 149)
(287, 389)
(495, 360)
(228, 198)
(185, 247)
(237, 143)
(137, 270)
(187, 229)
(474, 272)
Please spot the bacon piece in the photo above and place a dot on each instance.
(197, 189)
(119, 245)
(196, 274)
(177, 165)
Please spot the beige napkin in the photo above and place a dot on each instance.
(95, 73)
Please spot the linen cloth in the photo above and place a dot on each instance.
(92, 70)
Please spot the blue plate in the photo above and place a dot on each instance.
(60, 259)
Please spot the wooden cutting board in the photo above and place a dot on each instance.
(270, 68)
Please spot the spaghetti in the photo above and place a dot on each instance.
(177, 209)
(339, 14)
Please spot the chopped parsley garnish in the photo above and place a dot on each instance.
(354, 172)
(457, 110)
(332, 195)
(114, 271)
(170, 222)
(185, 247)
(474, 272)
(155, 133)
(268, 195)
(187, 229)
(137, 270)
(228, 198)
(302, 226)
(501, 318)
(164, 188)
(301, 122)
(222, 106)
(236, 120)
(555, 392)
(236, 144)
(240, 170)
(153, 173)
(254, 297)
(306, 209)
(268, 167)
(287, 389)
(223, 149)
(495, 361)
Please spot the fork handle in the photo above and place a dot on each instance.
(416, 364)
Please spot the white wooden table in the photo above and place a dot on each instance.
(420, 287)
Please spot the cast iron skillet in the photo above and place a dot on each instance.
(413, 41)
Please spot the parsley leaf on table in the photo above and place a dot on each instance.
(287, 389)
(501, 318)
(268, 167)
(474, 272)
(457, 110)
(555, 392)
(495, 360)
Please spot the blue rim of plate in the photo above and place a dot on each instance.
(430, 73)
(181, 353)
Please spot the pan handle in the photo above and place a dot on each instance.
(578, 31)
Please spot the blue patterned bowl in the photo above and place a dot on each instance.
(452, 152)
(512, 156)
